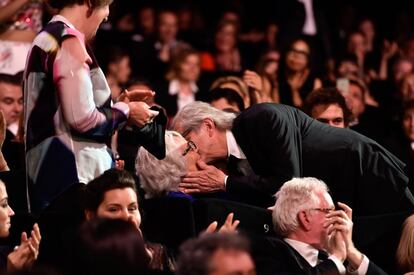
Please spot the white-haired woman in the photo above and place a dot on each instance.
(162, 177)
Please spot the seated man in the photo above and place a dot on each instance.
(216, 253)
(328, 106)
(317, 238)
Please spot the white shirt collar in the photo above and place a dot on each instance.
(308, 252)
(174, 87)
(232, 146)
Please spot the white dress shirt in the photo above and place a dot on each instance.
(233, 149)
(310, 254)
(182, 100)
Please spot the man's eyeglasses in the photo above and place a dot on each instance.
(324, 210)
(190, 147)
(299, 52)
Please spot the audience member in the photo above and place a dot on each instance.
(401, 141)
(181, 86)
(227, 54)
(328, 106)
(235, 83)
(117, 70)
(296, 80)
(69, 117)
(405, 248)
(226, 99)
(110, 246)
(19, 23)
(216, 253)
(24, 255)
(11, 103)
(280, 142)
(113, 195)
(366, 119)
(317, 238)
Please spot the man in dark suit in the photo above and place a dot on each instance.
(317, 239)
(280, 142)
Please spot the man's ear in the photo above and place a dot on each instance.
(210, 125)
(303, 219)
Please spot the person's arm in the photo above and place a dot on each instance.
(75, 89)
(3, 163)
(77, 86)
(8, 11)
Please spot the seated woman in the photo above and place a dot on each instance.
(162, 177)
(113, 195)
(24, 255)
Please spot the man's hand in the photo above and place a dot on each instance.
(336, 246)
(140, 113)
(341, 221)
(208, 180)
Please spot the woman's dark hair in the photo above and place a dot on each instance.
(110, 246)
(60, 4)
(94, 191)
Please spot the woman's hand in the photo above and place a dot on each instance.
(27, 252)
(228, 226)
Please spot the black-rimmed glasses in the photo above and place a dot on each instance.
(190, 147)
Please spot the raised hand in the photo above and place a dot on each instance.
(27, 252)
(140, 113)
(228, 226)
(253, 80)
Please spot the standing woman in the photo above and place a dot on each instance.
(296, 80)
(69, 117)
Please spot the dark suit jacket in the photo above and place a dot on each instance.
(281, 142)
(274, 256)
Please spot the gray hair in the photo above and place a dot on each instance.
(294, 196)
(158, 177)
(192, 115)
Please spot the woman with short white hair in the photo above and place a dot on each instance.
(160, 177)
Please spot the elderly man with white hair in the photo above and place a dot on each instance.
(280, 142)
(316, 237)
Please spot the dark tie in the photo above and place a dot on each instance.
(322, 256)
(239, 167)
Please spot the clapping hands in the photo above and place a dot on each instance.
(27, 252)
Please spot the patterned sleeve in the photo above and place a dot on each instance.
(73, 78)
